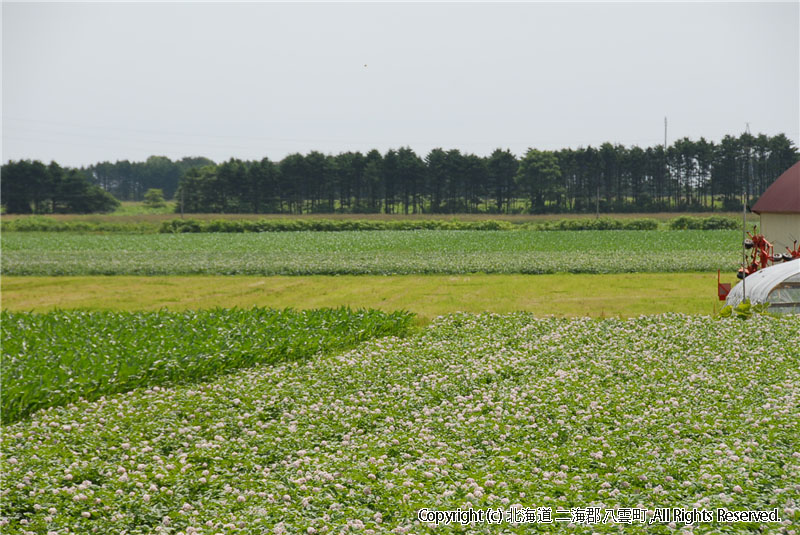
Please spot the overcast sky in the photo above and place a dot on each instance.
(89, 82)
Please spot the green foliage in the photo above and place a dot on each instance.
(705, 223)
(502, 167)
(538, 177)
(324, 225)
(617, 178)
(603, 223)
(25, 186)
(189, 225)
(339, 225)
(744, 310)
(31, 187)
(55, 358)
(90, 199)
(128, 180)
(46, 224)
(132, 209)
(154, 198)
(377, 252)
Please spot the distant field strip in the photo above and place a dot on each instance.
(378, 253)
(561, 294)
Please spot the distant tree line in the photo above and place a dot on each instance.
(33, 187)
(129, 181)
(689, 176)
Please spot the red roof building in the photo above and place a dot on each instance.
(783, 196)
(779, 208)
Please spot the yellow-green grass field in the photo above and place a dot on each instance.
(617, 295)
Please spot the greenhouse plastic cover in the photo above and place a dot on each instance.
(761, 284)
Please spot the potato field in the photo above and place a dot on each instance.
(260, 420)
(473, 411)
(374, 252)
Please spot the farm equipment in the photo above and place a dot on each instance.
(761, 256)
(723, 289)
(791, 254)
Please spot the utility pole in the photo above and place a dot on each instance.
(181, 203)
(749, 166)
(744, 251)
(666, 167)
(597, 199)
(744, 216)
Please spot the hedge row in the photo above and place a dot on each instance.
(328, 225)
(603, 223)
(705, 223)
(43, 224)
(324, 225)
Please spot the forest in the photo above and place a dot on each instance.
(689, 176)
(33, 187)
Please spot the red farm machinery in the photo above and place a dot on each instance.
(762, 254)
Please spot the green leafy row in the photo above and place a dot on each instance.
(379, 252)
(58, 357)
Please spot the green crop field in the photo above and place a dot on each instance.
(377, 252)
(473, 411)
(54, 358)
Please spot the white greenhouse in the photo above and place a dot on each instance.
(778, 285)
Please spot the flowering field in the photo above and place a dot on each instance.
(475, 410)
(377, 252)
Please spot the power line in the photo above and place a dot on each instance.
(472, 142)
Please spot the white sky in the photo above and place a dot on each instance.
(89, 82)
